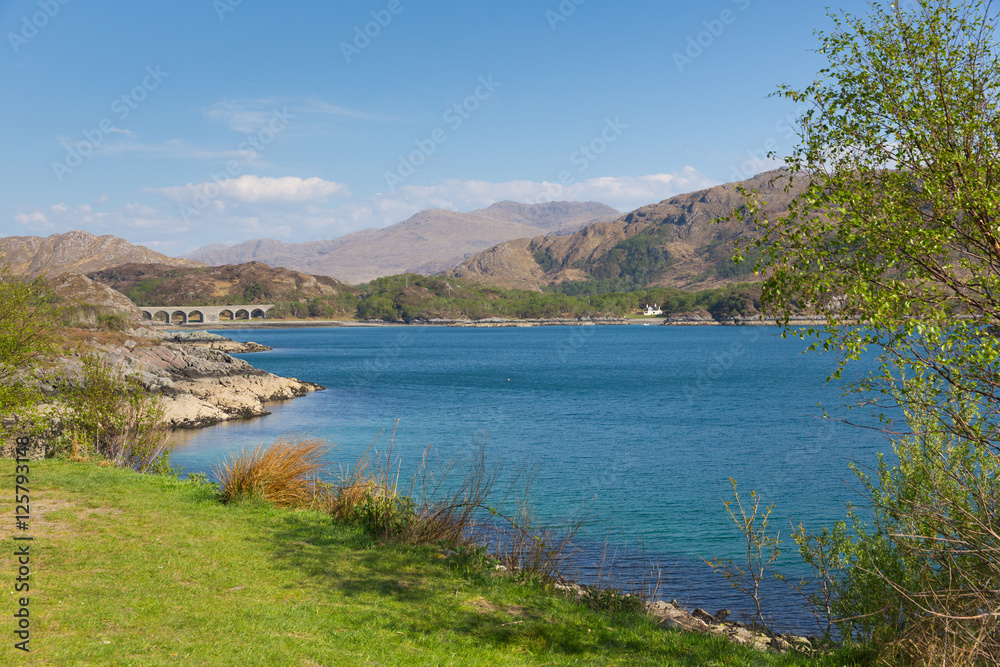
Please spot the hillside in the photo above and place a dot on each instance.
(672, 243)
(76, 252)
(253, 282)
(75, 288)
(429, 242)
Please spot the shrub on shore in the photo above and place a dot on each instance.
(282, 474)
(111, 415)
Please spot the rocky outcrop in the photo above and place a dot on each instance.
(199, 386)
(693, 318)
(704, 318)
(670, 615)
(209, 341)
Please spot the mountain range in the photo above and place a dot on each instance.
(678, 242)
(673, 243)
(429, 242)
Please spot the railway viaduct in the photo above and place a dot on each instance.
(204, 314)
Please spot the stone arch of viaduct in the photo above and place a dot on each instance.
(184, 314)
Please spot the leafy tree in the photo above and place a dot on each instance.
(28, 332)
(896, 242)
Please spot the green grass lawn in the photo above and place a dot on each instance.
(132, 569)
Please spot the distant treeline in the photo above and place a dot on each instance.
(410, 296)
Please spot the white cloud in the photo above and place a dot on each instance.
(247, 116)
(33, 220)
(250, 115)
(625, 193)
(256, 189)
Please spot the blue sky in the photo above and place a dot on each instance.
(178, 124)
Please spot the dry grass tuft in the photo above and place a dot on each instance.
(367, 494)
(283, 474)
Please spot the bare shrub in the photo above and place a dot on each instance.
(761, 550)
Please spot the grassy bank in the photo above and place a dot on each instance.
(146, 570)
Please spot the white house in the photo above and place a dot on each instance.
(653, 310)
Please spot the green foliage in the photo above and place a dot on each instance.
(343, 304)
(29, 320)
(253, 291)
(720, 254)
(389, 516)
(113, 416)
(471, 559)
(544, 259)
(922, 574)
(613, 601)
(409, 297)
(90, 316)
(636, 261)
(896, 229)
(140, 293)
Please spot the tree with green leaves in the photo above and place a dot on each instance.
(895, 242)
(29, 322)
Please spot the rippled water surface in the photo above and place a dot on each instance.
(644, 424)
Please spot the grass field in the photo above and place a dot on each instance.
(132, 569)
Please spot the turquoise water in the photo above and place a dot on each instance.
(645, 425)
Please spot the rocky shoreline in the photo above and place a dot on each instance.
(702, 319)
(670, 615)
(197, 381)
(494, 322)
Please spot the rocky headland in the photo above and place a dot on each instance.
(193, 374)
(199, 382)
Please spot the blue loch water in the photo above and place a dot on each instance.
(645, 425)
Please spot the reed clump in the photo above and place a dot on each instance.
(367, 494)
(283, 473)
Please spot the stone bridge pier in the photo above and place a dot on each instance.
(204, 314)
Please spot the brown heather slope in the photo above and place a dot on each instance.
(76, 252)
(250, 283)
(75, 288)
(679, 245)
(429, 242)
